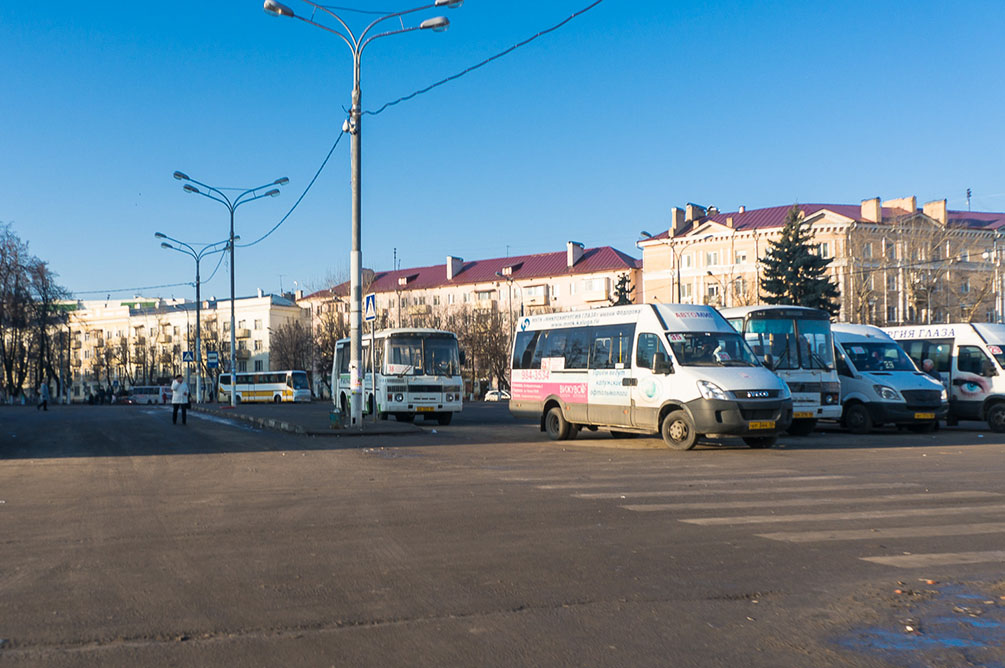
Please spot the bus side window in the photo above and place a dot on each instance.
(523, 349)
(648, 346)
(542, 345)
(343, 365)
(577, 348)
(940, 351)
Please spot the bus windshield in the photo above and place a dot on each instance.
(423, 355)
(878, 356)
(298, 380)
(710, 349)
(805, 344)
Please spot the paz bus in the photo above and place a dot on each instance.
(274, 386)
(676, 370)
(796, 343)
(418, 373)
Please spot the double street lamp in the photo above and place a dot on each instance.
(216, 194)
(197, 255)
(353, 126)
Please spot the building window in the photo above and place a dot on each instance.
(867, 249)
(436, 300)
(258, 325)
(891, 313)
(226, 326)
(258, 365)
(741, 257)
(685, 291)
(450, 298)
(594, 284)
(258, 345)
(242, 366)
(485, 295)
(964, 256)
(685, 260)
(421, 300)
(535, 291)
(965, 286)
(740, 287)
(467, 297)
(711, 258)
(241, 324)
(712, 293)
(825, 249)
(891, 282)
(554, 291)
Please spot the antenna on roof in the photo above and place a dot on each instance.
(968, 199)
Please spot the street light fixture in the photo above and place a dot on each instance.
(217, 195)
(197, 255)
(353, 126)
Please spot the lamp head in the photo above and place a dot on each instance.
(436, 24)
(181, 176)
(277, 9)
(160, 235)
(190, 188)
(281, 182)
(450, 4)
(646, 234)
(167, 245)
(272, 193)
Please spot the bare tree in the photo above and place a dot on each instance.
(290, 346)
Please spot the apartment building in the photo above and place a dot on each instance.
(893, 261)
(140, 341)
(578, 278)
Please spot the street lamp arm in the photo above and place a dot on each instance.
(386, 34)
(239, 200)
(349, 42)
(271, 193)
(191, 251)
(224, 201)
(389, 16)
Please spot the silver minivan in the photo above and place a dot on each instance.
(880, 384)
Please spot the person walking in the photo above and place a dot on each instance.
(43, 396)
(179, 400)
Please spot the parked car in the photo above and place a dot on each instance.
(497, 395)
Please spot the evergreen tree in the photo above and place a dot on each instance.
(622, 292)
(794, 273)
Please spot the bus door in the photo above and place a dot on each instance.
(649, 386)
(970, 382)
(611, 380)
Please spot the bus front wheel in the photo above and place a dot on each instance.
(276, 399)
(404, 417)
(803, 427)
(678, 431)
(556, 425)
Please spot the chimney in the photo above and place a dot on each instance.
(298, 295)
(729, 222)
(454, 265)
(676, 220)
(693, 212)
(909, 204)
(259, 292)
(937, 210)
(871, 211)
(742, 209)
(573, 251)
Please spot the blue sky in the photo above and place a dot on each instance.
(590, 133)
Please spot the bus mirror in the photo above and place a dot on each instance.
(463, 358)
(769, 361)
(661, 364)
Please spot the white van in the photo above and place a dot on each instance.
(968, 358)
(880, 384)
(674, 369)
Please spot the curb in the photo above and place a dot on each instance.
(300, 430)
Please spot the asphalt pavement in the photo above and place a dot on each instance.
(131, 541)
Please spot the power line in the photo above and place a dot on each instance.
(145, 287)
(299, 199)
(484, 62)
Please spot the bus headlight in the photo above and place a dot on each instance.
(886, 393)
(785, 393)
(711, 390)
(399, 398)
(450, 397)
(944, 396)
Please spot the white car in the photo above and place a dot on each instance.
(497, 395)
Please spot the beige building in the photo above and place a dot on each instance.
(140, 341)
(578, 278)
(893, 262)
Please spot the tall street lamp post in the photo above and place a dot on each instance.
(216, 194)
(353, 126)
(197, 255)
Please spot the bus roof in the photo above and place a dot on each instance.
(670, 317)
(990, 332)
(850, 333)
(413, 331)
(776, 311)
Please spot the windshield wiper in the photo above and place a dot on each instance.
(821, 360)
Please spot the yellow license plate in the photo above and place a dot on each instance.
(924, 416)
(765, 424)
(424, 409)
(803, 414)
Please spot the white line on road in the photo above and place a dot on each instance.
(943, 559)
(884, 533)
(810, 502)
(676, 473)
(708, 481)
(773, 490)
(863, 515)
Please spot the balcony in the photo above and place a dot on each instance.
(596, 296)
(537, 300)
(487, 305)
(243, 333)
(243, 354)
(140, 341)
(164, 338)
(77, 345)
(419, 309)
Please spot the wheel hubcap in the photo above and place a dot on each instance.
(678, 431)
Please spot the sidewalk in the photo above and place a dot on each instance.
(305, 419)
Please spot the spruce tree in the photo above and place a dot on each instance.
(794, 273)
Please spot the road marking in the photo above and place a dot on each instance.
(926, 496)
(943, 559)
(708, 481)
(676, 473)
(889, 532)
(702, 492)
(863, 515)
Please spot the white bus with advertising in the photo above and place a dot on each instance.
(418, 373)
(150, 394)
(797, 344)
(969, 359)
(274, 386)
(676, 370)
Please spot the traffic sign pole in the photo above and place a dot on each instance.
(370, 316)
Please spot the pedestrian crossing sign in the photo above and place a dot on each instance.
(370, 308)
(187, 356)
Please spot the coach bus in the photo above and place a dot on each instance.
(418, 373)
(796, 343)
(274, 386)
(671, 369)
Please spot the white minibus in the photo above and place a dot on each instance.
(671, 369)
(797, 344)
(150, 394)
(418, 373)
(969, 359)
(274, 386)
(880, 384)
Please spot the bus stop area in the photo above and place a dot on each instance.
(307, 419)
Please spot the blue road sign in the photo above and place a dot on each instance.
(212, 359)
(187, 356)
(370, 308)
